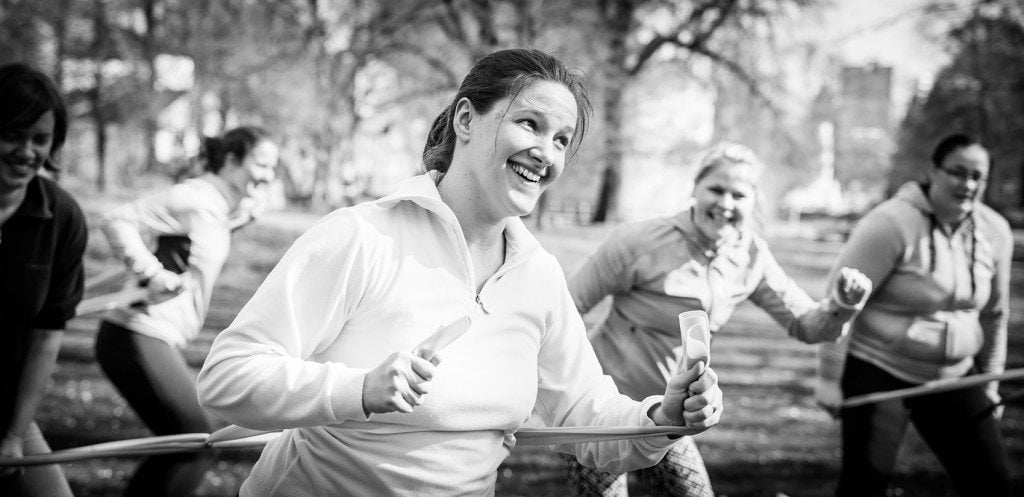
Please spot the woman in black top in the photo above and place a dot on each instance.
(42, 239)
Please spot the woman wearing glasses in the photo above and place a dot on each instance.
(939, 261)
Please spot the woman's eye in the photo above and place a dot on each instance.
(717, 190)
(529, 123)
(563, 141)
(41, 140)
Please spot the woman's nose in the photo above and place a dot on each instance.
(543, 154)
(24, 149)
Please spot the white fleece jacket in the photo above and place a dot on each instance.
(195, 208)
(380, 277)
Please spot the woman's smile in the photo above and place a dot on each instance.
(526, 173)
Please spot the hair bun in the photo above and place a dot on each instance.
(211, 143)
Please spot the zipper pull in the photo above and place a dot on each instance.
(482, 305)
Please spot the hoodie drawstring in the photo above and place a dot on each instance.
(971, 228)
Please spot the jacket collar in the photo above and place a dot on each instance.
(734, 250)
(422, 191)
(37, 201)
(914, 194)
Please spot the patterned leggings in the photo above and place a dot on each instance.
(680, 474)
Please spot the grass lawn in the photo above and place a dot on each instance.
(771, 439)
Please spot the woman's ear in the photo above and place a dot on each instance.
(463, 118)
(231, 160)
(929, 176)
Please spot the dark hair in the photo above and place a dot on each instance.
(951, 143)
(238, 142)
(498, 75)
(25, 95)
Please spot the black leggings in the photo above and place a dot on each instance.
(957, 425)
(157, 382)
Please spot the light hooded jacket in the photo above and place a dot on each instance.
(656, 269)
(940, 300)
(196, 214)
(378, 278)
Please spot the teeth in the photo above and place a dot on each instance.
(526, 173)
(723, 217)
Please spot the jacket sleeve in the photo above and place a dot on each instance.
(606, 272)
(874, 248)
(259, 373)
(573, 391)
(995, 314)
(791, 307)
(67, 281)
(128, 226)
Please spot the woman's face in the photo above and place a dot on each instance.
(724, 199)
(958, 182)
(23, 152)
(518, 148)
(256, 169)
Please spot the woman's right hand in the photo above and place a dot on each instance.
(163, 282)
(398, 384)
(851, 287)
(692, 399)
(829, 396)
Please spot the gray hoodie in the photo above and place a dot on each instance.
(940, 299)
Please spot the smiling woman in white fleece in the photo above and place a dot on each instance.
(324, 349)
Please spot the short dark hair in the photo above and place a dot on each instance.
(953, 142)
(238, 142)
(495, 76)
(26, 94)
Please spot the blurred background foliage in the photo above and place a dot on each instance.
(349, 87)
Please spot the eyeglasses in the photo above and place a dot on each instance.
(964, 175)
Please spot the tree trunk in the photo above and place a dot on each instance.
(99, 123)
(324, 153)
(618, 17)
(198, 111)
(60, 37)
(99, 46)
(150, 110)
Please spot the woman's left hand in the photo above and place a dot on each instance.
(692, 399)
(11, 447)
(851, 287)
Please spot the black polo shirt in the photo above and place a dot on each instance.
(41, 276)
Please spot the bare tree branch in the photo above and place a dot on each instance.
(441, 65)
(724, 12)
(688, 26)
(646, 53)
(740, 73)
(449, 20)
